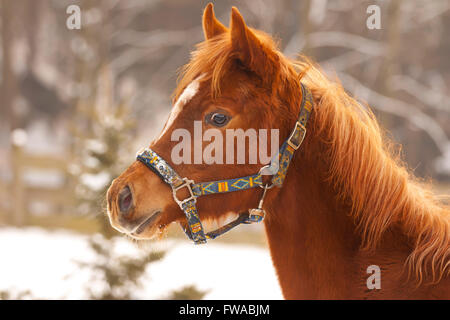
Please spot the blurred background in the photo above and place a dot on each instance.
(76, 104)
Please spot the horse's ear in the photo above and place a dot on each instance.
(250, 50)
(211, 26)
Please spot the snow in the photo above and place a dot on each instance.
(45, 263)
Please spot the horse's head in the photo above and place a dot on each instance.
(235, 80)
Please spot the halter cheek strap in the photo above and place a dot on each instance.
(195, 229)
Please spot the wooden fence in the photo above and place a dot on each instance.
(20, 195)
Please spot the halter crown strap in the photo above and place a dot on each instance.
(195, 229)
(295, 139)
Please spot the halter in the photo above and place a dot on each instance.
(195, 230)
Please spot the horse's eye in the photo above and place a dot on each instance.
(217, 119)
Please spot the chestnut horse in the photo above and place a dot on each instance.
(347, 202)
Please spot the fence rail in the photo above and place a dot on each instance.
(19, 195)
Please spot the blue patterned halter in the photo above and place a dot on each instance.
(195, 229)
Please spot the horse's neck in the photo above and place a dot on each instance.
(310, 234)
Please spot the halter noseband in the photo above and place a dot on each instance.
(196, 232)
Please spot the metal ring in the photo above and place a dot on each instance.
(266, 186)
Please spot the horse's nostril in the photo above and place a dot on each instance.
(125, 200)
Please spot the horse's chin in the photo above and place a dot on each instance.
(151, 228)
(154, 232)
(157, 231)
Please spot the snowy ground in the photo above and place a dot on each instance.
(44, 262)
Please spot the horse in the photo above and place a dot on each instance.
(348, 203)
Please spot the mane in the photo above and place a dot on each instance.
(365, 167)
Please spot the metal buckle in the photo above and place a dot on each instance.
(252, 213)
(187, 183)
(298, 126)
